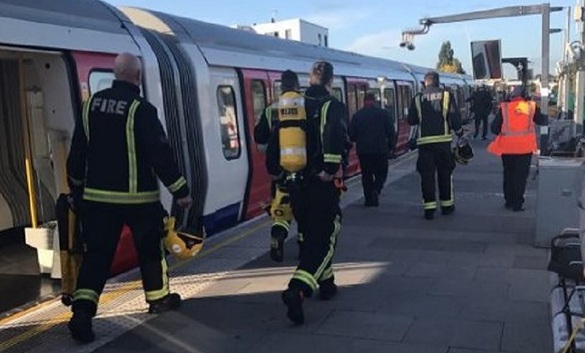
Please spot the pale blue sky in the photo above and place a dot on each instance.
(373, 27)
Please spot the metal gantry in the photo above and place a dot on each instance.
(510, 11)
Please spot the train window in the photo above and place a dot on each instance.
(100, 80)
(336, 92)
(276, 90)
(228, 122)
(377, 94)
(351, 99)
(258, 98)
(361, 93)
(389, 101)
(404, 98)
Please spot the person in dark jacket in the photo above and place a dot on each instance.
(118, 148)
(516, 143)
(264, 127)
(314, 196)
(435, 113)
(481, 106)
(372, 129)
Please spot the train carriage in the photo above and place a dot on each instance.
(209, 82)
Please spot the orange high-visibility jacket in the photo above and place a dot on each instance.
(518, 131)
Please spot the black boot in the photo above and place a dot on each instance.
(171, 301)
(80, 326)
(293, 299)
(327, 289)
(447, 210)
(429, 214)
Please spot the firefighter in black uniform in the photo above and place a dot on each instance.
(481, 106)
(314, 195)
(435, 113)
(118, 149)
(289, 81)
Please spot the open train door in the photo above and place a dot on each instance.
(256, 87)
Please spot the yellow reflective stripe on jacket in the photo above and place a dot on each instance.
(331, 158)
(131, 145)
(85, 117)
(174, 187)
(323, 121)
(269, 117)
(446, 136)
(120, 197)
(434, 139)
(446, 102)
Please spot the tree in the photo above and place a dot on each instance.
(447, 62)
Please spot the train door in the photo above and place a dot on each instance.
(36, 119)
(404, 94)
(356, 90)
(228, 161)
(256, 98)
(35, 128)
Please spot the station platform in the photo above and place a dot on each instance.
(464, 283)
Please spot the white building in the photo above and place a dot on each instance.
(295, 29)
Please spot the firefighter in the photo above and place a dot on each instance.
(118, 147)
(481, 106)
(314, 195)
(515, 143)
(435, 114)
(280, 206)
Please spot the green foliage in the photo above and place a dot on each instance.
(447, 61)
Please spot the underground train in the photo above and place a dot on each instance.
(210, 84)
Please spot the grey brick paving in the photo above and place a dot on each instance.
(467, 283)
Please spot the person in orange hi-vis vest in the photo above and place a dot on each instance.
(515, 142)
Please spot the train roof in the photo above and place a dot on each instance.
(88, 14)
(66, 24)
(248, 49)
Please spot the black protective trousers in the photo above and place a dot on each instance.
(483, 120)
(316, 209)
(101, 229)
(516, 171)
(374, 172)
(436, 159)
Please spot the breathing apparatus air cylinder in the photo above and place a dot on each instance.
(293, 140)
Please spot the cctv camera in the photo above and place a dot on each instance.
(410, 46)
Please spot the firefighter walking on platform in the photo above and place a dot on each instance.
(435, 114)
(515, 143)
(309, 153)
(279, 208)
(118, 148)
